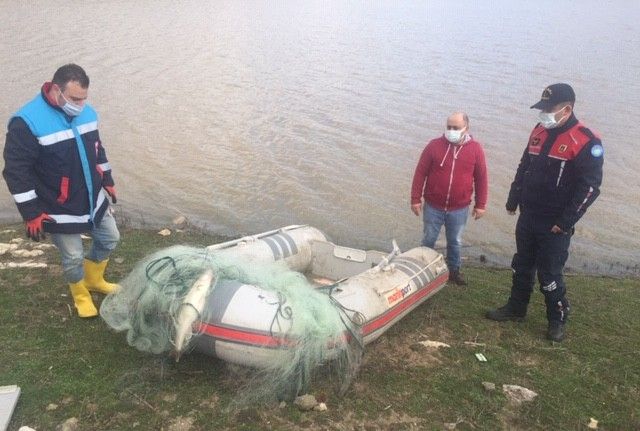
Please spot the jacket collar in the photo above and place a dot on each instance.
(44, 91)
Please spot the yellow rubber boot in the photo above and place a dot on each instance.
(82, 299)
(94, 277)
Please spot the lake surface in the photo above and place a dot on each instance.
(245, 116)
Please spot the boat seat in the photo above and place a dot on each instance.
(337, 262)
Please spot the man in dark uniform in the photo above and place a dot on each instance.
(558, 178)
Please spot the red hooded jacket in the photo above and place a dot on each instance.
(447, 174)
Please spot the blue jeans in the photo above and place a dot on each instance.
(454, 223)
(105, 239)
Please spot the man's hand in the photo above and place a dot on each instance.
(477, 213)
(511, 212)
(416, 208)
(35, 229)
(556, 229)
(111, 191)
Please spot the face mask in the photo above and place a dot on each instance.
(71, 109)
(548, 119)
(453, 136)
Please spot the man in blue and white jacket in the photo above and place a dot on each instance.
(57, 171)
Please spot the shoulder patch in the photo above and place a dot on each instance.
(597, 150)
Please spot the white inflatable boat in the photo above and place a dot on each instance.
(234, 322)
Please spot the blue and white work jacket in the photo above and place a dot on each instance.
(56, 164)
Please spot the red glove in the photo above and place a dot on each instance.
(111, 191)
(35, 228)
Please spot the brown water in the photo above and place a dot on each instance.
(245, 116)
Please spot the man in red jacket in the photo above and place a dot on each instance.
(449, 170)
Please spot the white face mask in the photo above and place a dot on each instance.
(548, 119)
(453, 136)
(71, 109)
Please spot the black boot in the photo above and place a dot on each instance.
(557, 315)
(555, 331)
(506, 313)
(456, 277)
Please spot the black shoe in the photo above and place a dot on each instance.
(505, 313)
(456, 277)
(555, 331)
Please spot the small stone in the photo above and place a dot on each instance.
(435, 344)
(26, 264)
(70, 424)
(164, 232)
(593, 424)
(488, 386)
(179, 221)
(282, 404)
(25, 428)
(450, 425)
(118, 260)
(43, 246)
(51, 407)
(518, 394)
(26, 253)
(426, 345)
(17, 241)
(305, 402)
(4, 248)
(321, 407)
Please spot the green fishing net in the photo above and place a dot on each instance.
(325, 338)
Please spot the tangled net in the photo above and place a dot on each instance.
(326, 337)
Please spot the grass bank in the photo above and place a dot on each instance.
(68, 367)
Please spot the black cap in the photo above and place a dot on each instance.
(554, 94)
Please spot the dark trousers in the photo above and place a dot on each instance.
(538, 249)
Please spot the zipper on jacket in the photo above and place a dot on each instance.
(560, 173)
(454, 154)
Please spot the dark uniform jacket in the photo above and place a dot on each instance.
(559, 174)
(56, 164)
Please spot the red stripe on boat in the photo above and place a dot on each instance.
(245, 337)
(385, 318)
(264, 340)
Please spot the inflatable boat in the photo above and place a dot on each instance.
(235, 321)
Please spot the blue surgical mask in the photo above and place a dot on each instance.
(548, 119)
(71, 109)
(453, 136)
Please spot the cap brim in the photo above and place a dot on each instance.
(542, 104)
